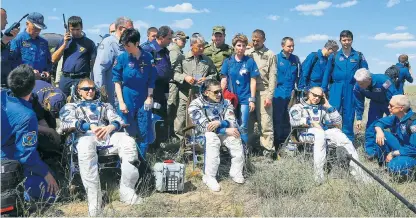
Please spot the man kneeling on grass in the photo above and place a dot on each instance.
(215, 120)
(315, 113)
(97, 125)
(399, 144)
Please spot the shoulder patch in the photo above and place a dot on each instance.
(413, 129)
(296, 114)
(387, 84)
(30, 138)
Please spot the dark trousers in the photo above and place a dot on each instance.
(281, 124)
(162, 88)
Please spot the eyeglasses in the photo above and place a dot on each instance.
(87, 89)
(316, 96)
(216, 92)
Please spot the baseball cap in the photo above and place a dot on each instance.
(218, 29)
(37, 20)
(181, 35)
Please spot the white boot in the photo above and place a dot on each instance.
(238, 179)
(211, 183)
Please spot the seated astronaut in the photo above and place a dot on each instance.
(315, 112)
(215, 120)
(97, 124)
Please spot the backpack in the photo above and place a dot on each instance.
(393, 73)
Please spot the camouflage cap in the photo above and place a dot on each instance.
(180, 34)
(218, 29)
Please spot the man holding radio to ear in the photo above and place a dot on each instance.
(315, 113)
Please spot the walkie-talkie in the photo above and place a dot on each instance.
(65, 25)
(14, 26)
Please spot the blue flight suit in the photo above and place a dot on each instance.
(379, 92)
(403, 76)
(6, 65)
(107, 52)
(339, 76)
(313, 69)
(136, 76)
(76, 64)
(19, 141)
(164, 75)
(401, 137)
(239, 74)
(33, 52)
(287, 76)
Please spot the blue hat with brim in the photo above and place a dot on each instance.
(37, 20)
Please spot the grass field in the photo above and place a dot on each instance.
(273, 188)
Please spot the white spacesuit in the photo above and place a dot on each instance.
(78, 116)
(304, 114)
(203, 112)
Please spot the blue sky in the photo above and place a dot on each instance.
(382, 29)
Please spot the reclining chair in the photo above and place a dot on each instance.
(70, 157)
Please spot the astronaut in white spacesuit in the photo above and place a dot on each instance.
(96, 124)
(214, 118)
(316, 113)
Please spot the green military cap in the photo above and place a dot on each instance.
(180, 34)
(218, 29)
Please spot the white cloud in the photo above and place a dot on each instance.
(313, 9)
(402, 44)
(273, 17)
(399, 28)
(139, 24)
(314, 37)
(347, 4)
(183, 8)
(394, 36)
(54, 9)
(182, 24)
(392, 3)
(53, 18)
(150, 7)
(381, 62)
(101, 26)
(93, 31)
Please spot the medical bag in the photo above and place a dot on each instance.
(170, 176)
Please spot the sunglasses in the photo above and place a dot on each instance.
(216, 92)
(316, 96)
(87, 89)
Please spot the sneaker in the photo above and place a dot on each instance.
(211, 183)
(238, 179)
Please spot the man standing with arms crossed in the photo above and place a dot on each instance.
(107, 52)
(266, 84)
(339, 75)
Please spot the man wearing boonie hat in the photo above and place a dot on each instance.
(218, 50)
(176, 56)
(31, 49)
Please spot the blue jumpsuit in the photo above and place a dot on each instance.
(164, 75)
(19, 141)
(313, 72)
(339, 76)
(379, 92)
(403, 76)
(287, 76)
(401, 137)
(136, 76)
(239, 74)
(33, 52)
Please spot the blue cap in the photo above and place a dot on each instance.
(37, 20)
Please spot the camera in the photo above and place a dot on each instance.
(406, 64)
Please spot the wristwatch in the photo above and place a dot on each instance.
(252, 99)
